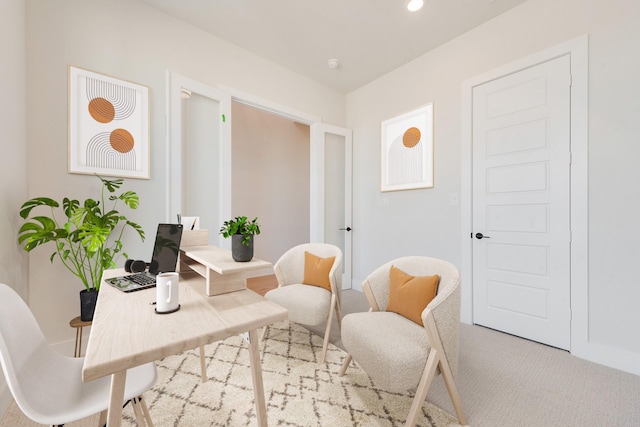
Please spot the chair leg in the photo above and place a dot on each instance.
(445, 369)
(338, 315)
(102, 420)
(327, 331)
(423, 388)
(203, 367)
(137, 412)
(263, 334)
(145, 410)
(345, 365)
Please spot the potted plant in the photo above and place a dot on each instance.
(241, 231)
(87, 237)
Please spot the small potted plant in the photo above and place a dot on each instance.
(241, 231)
(87, 237)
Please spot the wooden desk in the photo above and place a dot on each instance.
(221, 272)
(127, 332)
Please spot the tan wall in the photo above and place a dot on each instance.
(270, 156)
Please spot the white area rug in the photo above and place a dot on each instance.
(299, 391)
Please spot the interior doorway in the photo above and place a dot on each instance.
(270, 177)
(521, 224)
(475, 251)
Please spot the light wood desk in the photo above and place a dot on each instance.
(127, 332)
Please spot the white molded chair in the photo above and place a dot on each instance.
(398, 354)
(48, 386)
(307, 304)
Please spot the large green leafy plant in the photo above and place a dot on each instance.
(88, 239)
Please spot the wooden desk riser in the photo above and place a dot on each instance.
(127, 332)
(222, 274)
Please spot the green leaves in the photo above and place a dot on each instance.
(240, 225)
(89, 240)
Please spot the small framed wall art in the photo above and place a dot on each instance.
(407, 150)
(108, 126)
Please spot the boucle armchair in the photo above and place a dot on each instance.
(399, 354)
(309, 304)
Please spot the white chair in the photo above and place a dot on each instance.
(308, 304)
(399, 354)
(48, 386)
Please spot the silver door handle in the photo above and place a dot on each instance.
(346, 229)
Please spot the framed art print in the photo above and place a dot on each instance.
(407, 150)
(108, 126)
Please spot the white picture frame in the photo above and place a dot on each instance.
(108, 126)
(407, 151)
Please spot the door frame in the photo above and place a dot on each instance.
(317, 190)
(175, 84)
(578, 50)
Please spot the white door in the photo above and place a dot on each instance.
(521, 200)
(199, 147)
(331, 190)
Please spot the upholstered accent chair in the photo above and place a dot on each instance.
(398, 354)
(309, 303)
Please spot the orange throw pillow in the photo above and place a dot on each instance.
(316, 270)
(409, 295)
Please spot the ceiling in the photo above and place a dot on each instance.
(369, 38)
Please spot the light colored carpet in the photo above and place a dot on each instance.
(509, 381)
(299, 391)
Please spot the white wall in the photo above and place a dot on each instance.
(13, 162)
(432, 224)
(132, 41)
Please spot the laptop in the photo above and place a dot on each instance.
(163, 259)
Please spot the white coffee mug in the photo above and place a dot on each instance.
(167, 292)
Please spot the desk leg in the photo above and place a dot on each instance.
(256, 376)
(116, 398)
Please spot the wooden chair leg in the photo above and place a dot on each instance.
(327, 331)
(263, 334)
(203, 365)
(423, 388)
(338, 315)
(145, 410)
(137, 412)
(345, 365)
(445, 369)
(102, 420)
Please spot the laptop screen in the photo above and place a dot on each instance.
(165, 248)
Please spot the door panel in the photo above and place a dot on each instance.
(521, 195)
(331, 190)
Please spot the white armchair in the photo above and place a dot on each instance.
(308, 304)
(399, 354)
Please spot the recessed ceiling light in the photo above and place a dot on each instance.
(333, 63)
(414, 5)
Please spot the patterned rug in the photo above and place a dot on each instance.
(299, 391)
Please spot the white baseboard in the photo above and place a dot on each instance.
(356, 285)
(612, 357)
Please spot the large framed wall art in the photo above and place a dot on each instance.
(108, 126)
(407, 150)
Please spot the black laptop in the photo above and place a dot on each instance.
(164, 259)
